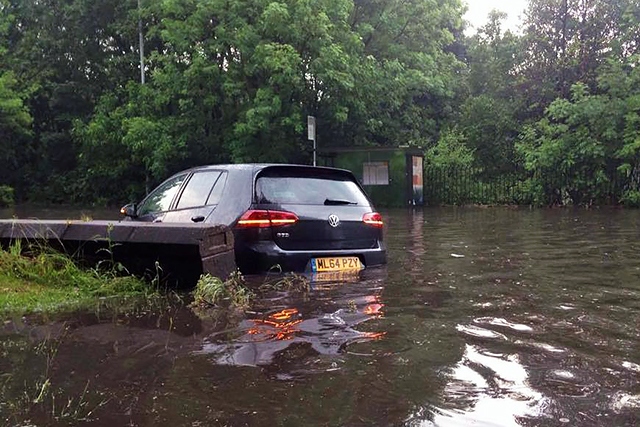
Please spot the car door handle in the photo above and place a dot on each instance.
(198, 218)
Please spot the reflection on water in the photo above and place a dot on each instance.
(488, 389)
(259, 340)
(487, 317)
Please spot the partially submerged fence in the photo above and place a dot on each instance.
(460, 186)
(464, 185)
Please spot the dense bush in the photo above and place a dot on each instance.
(631, 198)
(6, 196)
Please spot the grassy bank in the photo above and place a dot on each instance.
(42, 280)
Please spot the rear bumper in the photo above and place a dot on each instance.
(265, 255)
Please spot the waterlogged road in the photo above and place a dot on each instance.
(485, 317)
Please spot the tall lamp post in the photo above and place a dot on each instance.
(311, 134)
(140, 42)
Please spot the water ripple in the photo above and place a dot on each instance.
(502, 322)
(478, 332)
(488, 389)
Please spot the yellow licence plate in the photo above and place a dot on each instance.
(336, 264)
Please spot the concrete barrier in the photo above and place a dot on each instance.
(179, 253)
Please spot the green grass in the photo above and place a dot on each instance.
(42, 280)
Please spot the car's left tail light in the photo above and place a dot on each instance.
(373, 219)
(266, 218)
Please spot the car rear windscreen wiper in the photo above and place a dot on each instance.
(334, 202)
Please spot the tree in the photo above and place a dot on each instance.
(233, 81)
(583, 144)
(15, 128)
(566, 41)
(15, 120)
(64, 55)
(489, 117)
(411, 75)
(580, 52)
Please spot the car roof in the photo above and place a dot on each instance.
(259, 166)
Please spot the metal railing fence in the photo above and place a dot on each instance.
(466, 185)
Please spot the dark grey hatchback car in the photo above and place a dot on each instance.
(301, 218)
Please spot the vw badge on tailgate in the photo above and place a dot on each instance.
(334, 220)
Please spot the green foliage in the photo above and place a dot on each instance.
(530, 192)
(212, 291)
(40, 279)
(561, 101)
(631, 198)
(224, 82)
(490, 127)
(450, 151)
(567, 41)
(14, 116)
(285, 282)
(233, 292)
(64, 56)
(6, 196)
(234, 81)
(490, 117)
(131, 143)
(15, 126)
(585, 142)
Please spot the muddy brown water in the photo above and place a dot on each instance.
(484, 317)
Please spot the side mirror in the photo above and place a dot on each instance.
(129, 210)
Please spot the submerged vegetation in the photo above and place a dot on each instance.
(289, 282)
(33, 394)
(39, 279)
(234, 292)
(212, 291)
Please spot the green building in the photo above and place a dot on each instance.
(392, 176)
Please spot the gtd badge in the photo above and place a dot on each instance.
(334, 220)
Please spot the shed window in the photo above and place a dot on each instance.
(375, 173)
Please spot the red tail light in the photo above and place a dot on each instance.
(374, 219)
(262, 218)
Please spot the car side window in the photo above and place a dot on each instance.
(216, 192)
(160, 199)
(197, 191)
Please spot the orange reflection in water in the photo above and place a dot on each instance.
(374, 306)
(283, 325)
(373, 309)
(373, 335)
(280, 325)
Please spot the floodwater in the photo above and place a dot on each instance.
(483, 317)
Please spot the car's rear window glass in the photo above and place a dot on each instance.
(198, 189)
(309, 190)
(216, 193)
(160, 199)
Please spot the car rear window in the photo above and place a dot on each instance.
(203, 188)
(309, 188)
